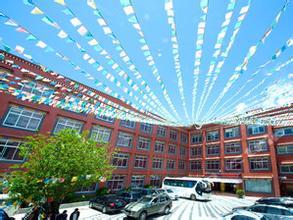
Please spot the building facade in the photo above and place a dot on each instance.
(257, 158)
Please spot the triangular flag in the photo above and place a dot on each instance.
(61, 2)
(37, 11)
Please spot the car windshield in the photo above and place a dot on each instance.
(145, 199)
(206, 186)
(169, 191)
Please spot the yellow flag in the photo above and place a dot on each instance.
(61, 2)
(74, 179)
(37, 11)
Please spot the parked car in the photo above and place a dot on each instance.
(149, 205)
(108, 203)
(270, 211)
(283, 201)
(170, 193)
(4, 215)
(146, 191)
(244, 215)
(130, 196)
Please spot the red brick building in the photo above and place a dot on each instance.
(258, 158)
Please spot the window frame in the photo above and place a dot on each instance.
(156, 161)
(212, 148)
(20, 111)
(231, 137)
(125, 134)
(254, 160)
(252, 127)
(103, 134)
(65, 126)
(266, 149)
(142, 141)
(162, 145)
(140, 161)
(127, 124)
(14, 147)
(121, 157)
(232, 143)
(213, 139)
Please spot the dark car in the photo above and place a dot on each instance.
(108, 203)
(283, 201)
(149, 205)
(269, 211)
(130, 196)
(146, 191)
(4, 215)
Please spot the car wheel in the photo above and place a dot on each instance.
(193, 197)
(142, 216)
(104, 209)
(166, 210)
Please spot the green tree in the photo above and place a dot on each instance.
(56, 166)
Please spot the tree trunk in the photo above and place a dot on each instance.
(52, 209)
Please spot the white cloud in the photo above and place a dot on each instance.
(278, 94)
(240, 107)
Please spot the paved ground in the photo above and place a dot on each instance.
(182, 209)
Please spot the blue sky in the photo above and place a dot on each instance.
(157, 33)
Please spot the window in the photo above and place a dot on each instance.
(161, 131)
(196, 151)
(232, 132)
(127, 124)
(195, 165)
(9, 150)
(184, 138)
(172, 149)
(140, 161)
(256, 129)
(285, 149)
(288, 131)
(155, 181)
(36, 89)
(257, 146)
(196, 138)
(182, 151)
(105, 118)
(212, 135)
(258, 185)
(157, 163)
(213, 165)
(64, 123)
(286, 168)
(180, 183)
(23, 118)
(259, 163)
(124, 140)
(233, 164)
(173, 135)
(181, 164)
(116, 182)
(171, 164)
(233, 148)
(159, 147)
(120, 160)
(137, 181)
(143, 143)
(101, 134)
(146, 127)
(87, 189)
(213, 150)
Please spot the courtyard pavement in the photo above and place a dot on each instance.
(182, 209)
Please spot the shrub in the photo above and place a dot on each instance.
(240, 193)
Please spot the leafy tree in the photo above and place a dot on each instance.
(56, 166)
